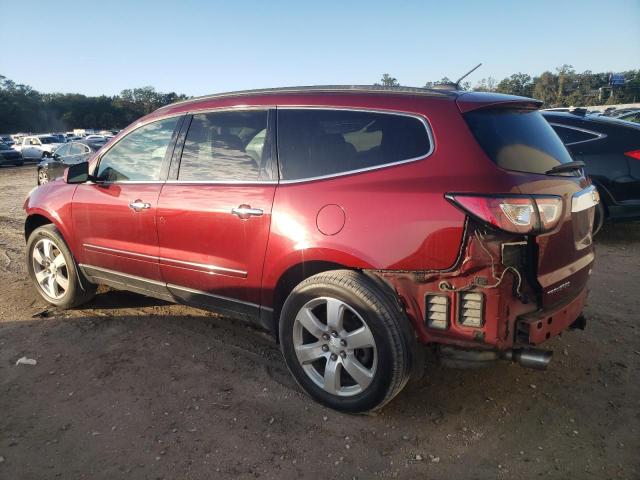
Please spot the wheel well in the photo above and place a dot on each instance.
(33, 222)
(292, 277)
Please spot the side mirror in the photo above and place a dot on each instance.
(78, 173)
(55, 156)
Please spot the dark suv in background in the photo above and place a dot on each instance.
(357, 224)
(610, 150)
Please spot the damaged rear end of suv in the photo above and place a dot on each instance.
(526, 255)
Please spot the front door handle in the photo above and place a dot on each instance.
(139, 205)
(245, 211)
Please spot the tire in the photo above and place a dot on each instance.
(311, 343)
(599, 217)
(43, 176)
(48, 256)
(19, 164)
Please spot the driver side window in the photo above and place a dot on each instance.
(139, 155)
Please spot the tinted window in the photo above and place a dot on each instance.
(4, 146)
(78, 149)
(46, 140)
(571, 135)
(519, 140)
(63, 151)
(226, 146)
(139, 155)
(313, 143)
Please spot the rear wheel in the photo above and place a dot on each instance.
(345, 342)
(53, 270)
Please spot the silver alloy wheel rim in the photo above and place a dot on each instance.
(43, 177)
(330, 343)
(50, 269)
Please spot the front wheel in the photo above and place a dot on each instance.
(43, 176)
(345, 342)
(53, 270)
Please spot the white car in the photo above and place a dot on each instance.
(37, 147)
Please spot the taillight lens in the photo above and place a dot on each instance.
(633, 154)
(516, 214)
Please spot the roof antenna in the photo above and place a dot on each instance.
(456, 85)
(466, 75)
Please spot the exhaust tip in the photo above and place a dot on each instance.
(530, 357)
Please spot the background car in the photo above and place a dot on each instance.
(9, 156)
(64, 156)
(610, 149)
(630, 116)
(7, 139)
(62, 138)
(36, 147)
(96, 141)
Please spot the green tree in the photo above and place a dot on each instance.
(388, 81)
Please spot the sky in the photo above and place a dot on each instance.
(205, 47)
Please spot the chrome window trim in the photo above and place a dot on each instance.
(221, 182)
(211, 269)
(417, 116)
(599, 136)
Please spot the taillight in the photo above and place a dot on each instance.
(523, 214)
(635, 154)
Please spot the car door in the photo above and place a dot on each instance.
(31, 148)
(58, 162)
(114, 216)
(214, 212)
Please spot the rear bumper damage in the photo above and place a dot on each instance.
(509, 317)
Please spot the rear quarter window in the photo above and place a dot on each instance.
(318, 142)
(520, 140)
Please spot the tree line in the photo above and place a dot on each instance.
(563, 88)
(23, 109)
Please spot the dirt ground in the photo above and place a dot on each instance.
(131, 387)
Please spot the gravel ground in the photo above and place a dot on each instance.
(131, 387)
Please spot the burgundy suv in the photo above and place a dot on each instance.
(357, 224)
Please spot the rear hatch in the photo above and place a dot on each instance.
(516, 137)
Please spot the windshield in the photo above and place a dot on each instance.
(44, 140)
(4, 146)
(520, 140)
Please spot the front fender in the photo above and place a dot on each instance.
(53, 202)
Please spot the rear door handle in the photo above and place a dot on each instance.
(245, 211)
(139, 205)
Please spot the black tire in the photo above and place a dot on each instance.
(19, 164)
(79, 289)
(598, 220)
(388, 325)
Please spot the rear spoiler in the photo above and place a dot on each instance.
(470, 101)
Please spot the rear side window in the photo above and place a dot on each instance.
(571, 135)
(226, 146)
(316, 142)
(520, 140)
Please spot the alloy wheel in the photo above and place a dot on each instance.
(43, 177)
(50, 268)
(335, 346)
